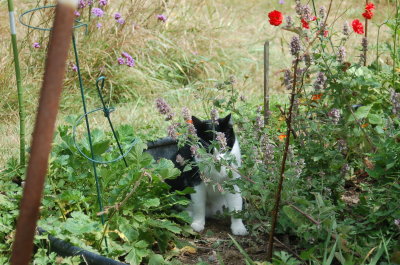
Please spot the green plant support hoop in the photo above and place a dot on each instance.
(99, 85)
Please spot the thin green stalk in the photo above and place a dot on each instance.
(20, 90)
(395, 44)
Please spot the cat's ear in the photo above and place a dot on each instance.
(197, 122)
(228, 120)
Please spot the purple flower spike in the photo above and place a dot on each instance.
(77, 14)
(281, 2)
(99, 25)
(130, 62)
(162, 18)
(97, 12)
(121, 60)
(81, 4)
(36, 45)
(117, 15)
(74, 68)
(128, 59)
(90, 2)
(121, 21)
(103, 2)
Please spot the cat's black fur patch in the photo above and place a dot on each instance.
(205, 132)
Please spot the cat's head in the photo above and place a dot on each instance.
(206, 131)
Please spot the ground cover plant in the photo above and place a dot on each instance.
(333, 124)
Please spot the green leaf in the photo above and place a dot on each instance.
(140, 217)
(141, 244)
(375, 119)
(130, 233)
(151, 203)
(100, 147)
(165, 224)
(135, 256)
(156, 259)
(361, 113)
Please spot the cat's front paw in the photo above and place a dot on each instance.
(197, 226)
(238, 229)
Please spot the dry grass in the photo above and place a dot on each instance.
(203, 41)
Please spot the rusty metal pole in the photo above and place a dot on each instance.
(44, 129)
(266, 82)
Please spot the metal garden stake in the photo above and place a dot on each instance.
(43, 132)
(20, 89)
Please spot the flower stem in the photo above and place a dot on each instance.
(275, 211)
(366, 36)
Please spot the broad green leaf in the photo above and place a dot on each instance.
(151, 203)
(156, 259)
(375, 119)
(361, 113)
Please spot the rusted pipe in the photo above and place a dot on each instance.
(44, 129)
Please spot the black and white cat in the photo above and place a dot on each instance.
(206, 200)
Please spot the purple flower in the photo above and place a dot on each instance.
(172, 131)
(130, 62)
(97, 12)
(74, 68)
(186, 114)
(281, 2)
(287, 79)
(117, 15)
(121, 21)
(220, 137)
(346, 29)
(99, 25)
(334, 114)
(36, 45)
(103, 2)
(341, 54)
(77, 14)
(289, 21)
(90, 2)
(295, 46)
(121, 60)
(162, 18)
(214, 116)
(81, 4)
(164, 108)
(320, 81)
(191, 130)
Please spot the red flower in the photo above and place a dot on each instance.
(275, 18)
(357, 26)
(326, 33)
(368, 14)
(369, 6)
(314, 18)
(305, 24)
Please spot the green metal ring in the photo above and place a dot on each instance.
(80, 24)
(78, 121)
